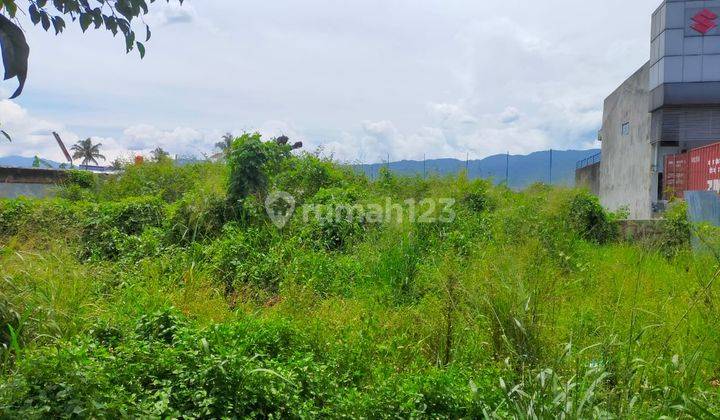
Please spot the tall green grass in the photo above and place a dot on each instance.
(527, 305)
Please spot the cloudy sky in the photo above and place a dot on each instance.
(360, 78)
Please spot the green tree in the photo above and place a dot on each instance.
(159, 155)
(87, 151)
(251, 160)
(116, 16)
(246, 158)
(225, 143)
(37, 163)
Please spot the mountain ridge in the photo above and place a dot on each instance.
(521, 170)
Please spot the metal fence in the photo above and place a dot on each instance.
(588, 161)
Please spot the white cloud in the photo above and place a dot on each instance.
(363, 78)
(171, 13)
(184, 141)
(31, 136)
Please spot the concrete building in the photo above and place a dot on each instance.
(670, 105)
(30, 183)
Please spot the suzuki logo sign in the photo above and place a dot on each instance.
(704, 21)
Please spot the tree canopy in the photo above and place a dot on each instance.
(87, 151)
(116, 16)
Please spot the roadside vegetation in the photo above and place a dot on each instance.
(167, 292)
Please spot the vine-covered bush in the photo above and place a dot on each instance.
(22, 215)
(337, 219)
(477, 196)
(82, 179)
(162, 179)
(677, 229)
(588, 219)
(244, 369)
(244, 256)
(107, 224)
(197, 216)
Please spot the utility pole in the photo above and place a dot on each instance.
(467, 164)
(507, 169)
(424, 167)
(551, 165)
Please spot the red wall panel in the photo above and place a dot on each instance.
(676, 175)
(704, 169)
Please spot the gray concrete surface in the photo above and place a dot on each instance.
(17, 190)
(589, 177)
(626, 172)
(31, 183)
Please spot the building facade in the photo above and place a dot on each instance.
(670, 105)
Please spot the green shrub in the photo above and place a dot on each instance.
(247, 256)
(245, 369)
(677, 230)
(246, 160)
(198, 216)
(337, 220)
(107, 225)
(251, 162)
(477, 196)
(161, 326)
(307, 174)
(588, 219)
(162, 179)
(83, 179)
(39, 217)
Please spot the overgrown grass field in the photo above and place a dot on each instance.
(167, 292)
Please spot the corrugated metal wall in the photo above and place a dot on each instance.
(697, 170)
(676, 175)
(687, 123)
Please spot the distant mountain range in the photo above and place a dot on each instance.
(522, 170)
(23, 162)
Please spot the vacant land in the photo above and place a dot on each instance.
(168, 292)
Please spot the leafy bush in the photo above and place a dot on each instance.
(308, 174)
(586, 216)
(246, 159)
(161, 326)
(46, 217)
(677, 230)
(82, 179)
(251, 161)
(162, 179)
(106, 225)
(477, 196)
(242, 369)
(199, 215)
(337, 220)
(247, 256)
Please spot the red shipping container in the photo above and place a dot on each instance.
(676, 175)
(704, 169)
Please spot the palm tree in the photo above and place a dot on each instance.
(88, 152)
(225, 142)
